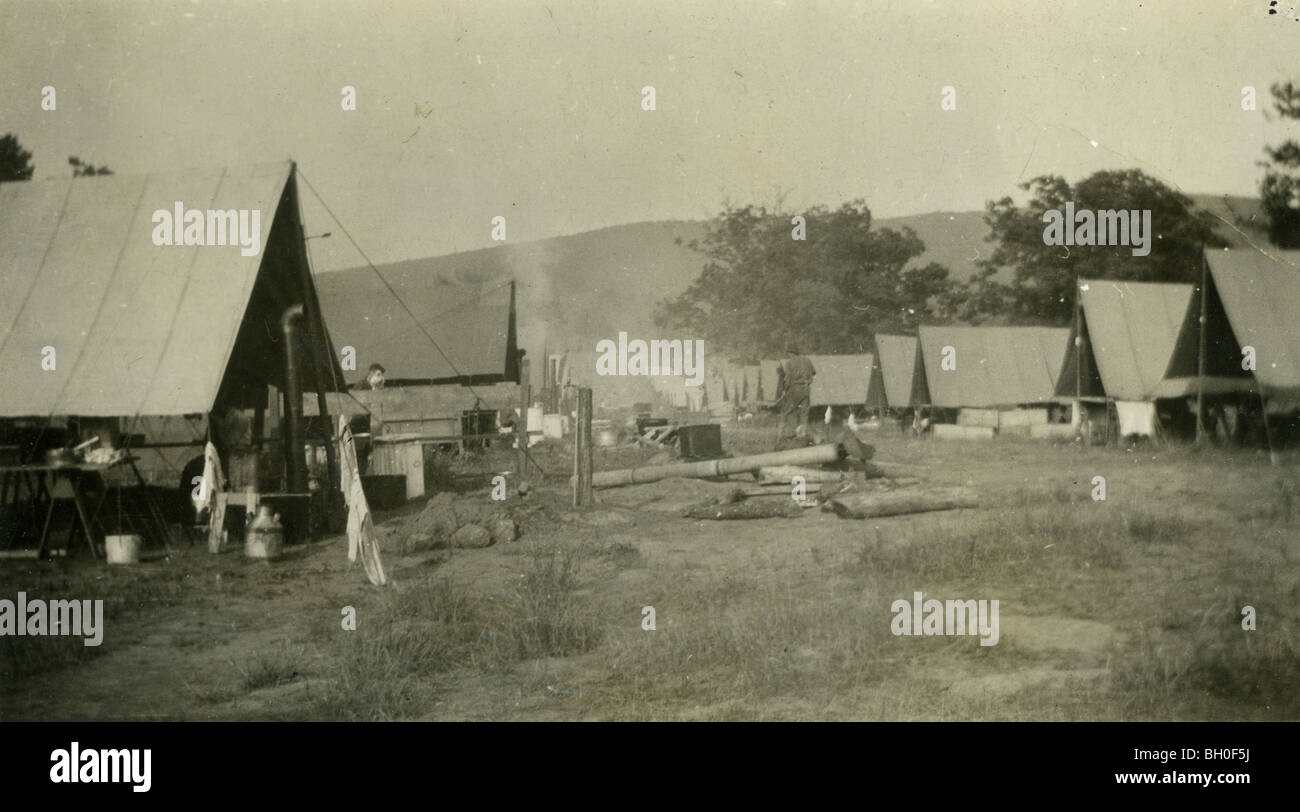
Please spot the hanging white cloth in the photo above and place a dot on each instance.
(1136, 417)
(361, 530)
(213, 478)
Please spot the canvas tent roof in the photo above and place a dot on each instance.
(734, 376)
(1130, 329)
(896, 358)
(841, 380)
(1253, 300)
(995, 366)
(140, 329)
(578, 368)
(715, 389)
(768, 378)
(473, 325)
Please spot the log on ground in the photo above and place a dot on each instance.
(748, 509)
(860, 505)
(871, 470)
(829, 452)
(783, 474)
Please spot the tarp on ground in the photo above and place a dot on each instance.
(994, 366)
(896, 358)
(1253, 300)
(472, 327)
(138, 328)
(1129, 333)
(841, 380)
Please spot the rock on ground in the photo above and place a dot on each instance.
(446, 515)
(471, 535)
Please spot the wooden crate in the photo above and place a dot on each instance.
(396, 456)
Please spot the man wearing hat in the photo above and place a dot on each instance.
(793, 389)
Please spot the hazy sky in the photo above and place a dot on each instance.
(533, 111)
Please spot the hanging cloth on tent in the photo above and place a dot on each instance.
(361, 530)
(1136, 417)
(213, 478)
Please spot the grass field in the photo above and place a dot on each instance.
(1127, 608)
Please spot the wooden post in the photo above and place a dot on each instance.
(582, 459)
(1107, 404)
(1200, 353)
(1078, 363)
(521, 425)
(1268, 435)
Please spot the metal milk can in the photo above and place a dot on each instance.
(265, 536)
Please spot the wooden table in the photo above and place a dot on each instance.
(13, 477)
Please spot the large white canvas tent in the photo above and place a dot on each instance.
(143, 329)
(991, 366)
(845, 380)
(1252, 301)
(1127, 332)
(896, 358)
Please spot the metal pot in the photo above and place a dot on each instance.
(61, 456)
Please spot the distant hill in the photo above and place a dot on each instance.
(575, 290)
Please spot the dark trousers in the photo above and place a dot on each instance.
(793, 404)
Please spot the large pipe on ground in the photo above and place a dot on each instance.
(295, 463)
(830, 452)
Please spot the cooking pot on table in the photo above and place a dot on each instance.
(61, 456)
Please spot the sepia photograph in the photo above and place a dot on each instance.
(581, 360)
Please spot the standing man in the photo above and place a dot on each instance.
(794, 389)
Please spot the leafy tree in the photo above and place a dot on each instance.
(1279, 190)
(80, 169)
(761, 291)
(1042, 288)
(15, 162)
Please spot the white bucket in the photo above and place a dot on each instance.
(122, 549)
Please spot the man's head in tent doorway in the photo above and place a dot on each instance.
(374, 377)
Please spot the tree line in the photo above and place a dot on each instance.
(768, 284)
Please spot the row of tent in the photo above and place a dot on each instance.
(140, 330)
(1009, 366)
(1134, 342)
